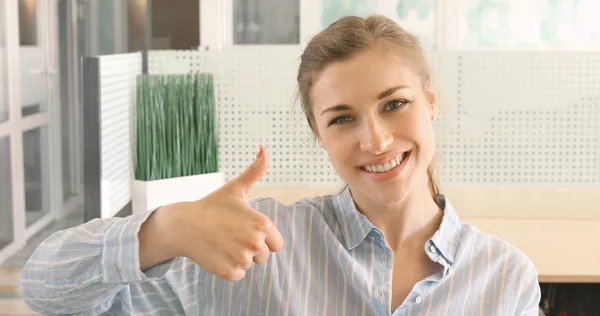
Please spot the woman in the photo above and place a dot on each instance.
(388, 244)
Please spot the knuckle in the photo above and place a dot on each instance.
(235, 189)
(263, 223)
(241, 260)
(255, 244)
(252, 168)
(246, 261)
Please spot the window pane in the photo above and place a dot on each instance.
(35, 160)
(175, 24)
(6, 207)
(266, 21)
(3, 70)
(530, 24)
(28, 22)
(106, 30)
(417, 17)
(31, 54)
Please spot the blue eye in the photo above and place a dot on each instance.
(396, 104)
(340, 120)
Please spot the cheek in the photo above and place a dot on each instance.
(339, 147)
(424, 135)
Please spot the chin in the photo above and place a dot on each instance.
(390, 194)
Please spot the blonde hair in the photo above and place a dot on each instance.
(349, 36)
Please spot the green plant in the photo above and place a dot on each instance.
(176, 133)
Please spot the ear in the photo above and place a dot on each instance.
(433, 102)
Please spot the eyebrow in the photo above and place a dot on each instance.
(390, 91)
(382, 95)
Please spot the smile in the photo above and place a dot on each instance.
(387, 166)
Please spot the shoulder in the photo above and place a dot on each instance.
(497, 258)
(475, 246)
(478, 243)
(495, 265)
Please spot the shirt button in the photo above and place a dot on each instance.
(381, 295)
(433, 250)
(384, 259)
(418, 300)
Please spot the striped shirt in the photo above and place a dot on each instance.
(335, 262)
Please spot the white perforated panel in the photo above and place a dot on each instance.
(506, 118)
(118, 75)
(523, 118)
(255, 91)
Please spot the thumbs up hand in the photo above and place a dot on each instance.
(221, 232)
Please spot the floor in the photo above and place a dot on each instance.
(10, 271)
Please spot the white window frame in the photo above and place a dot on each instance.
(16, 124)
(216, 23)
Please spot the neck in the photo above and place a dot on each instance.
(407, 223)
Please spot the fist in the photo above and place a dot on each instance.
(221, 232)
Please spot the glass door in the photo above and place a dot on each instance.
(84, 28)
(29, 140)
(6, 204)
(35, 101)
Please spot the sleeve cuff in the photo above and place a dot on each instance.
(121, 253)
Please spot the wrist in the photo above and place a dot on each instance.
(167, 230)
(157, 240)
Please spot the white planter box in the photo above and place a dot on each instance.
(148, 195)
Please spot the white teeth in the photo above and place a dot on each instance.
(384, 167)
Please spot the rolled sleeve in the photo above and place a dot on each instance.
(121, 254)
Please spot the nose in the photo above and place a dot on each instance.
(376, 137)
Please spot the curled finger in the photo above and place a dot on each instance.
(262, 255)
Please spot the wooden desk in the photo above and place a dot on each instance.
(558, 229)
(561, 250)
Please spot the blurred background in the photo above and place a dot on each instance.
(521, 74)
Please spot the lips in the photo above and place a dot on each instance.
(384, 164)
(387, 170)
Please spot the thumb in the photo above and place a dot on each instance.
(255, 171)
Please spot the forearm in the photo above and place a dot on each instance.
(79, 269)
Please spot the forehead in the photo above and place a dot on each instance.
(361, 78)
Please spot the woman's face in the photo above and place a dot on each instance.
(374, 119)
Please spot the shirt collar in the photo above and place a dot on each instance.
(446, 239)
(355, 226)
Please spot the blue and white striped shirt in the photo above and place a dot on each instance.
(333, 263)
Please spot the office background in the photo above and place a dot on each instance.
(520, 84)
